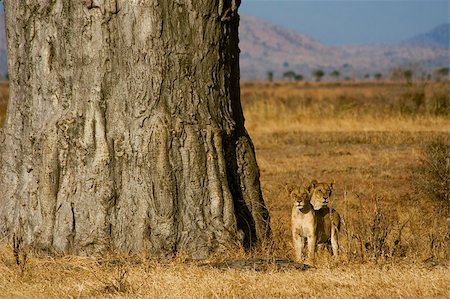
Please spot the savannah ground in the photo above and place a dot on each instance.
(370, 138)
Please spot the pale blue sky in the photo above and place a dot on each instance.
(352, 22)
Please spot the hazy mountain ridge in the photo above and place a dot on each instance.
(438, 36)
(3, 47)
(267, 47)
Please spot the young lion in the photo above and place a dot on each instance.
(304, 223)
(328, 219)
(312, 220)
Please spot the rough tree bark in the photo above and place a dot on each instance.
(125, 129)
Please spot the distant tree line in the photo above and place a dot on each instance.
(407, 74)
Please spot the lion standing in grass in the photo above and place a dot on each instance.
(312, 220)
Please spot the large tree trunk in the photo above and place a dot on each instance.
(125, 129)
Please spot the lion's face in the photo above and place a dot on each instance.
(320, 194)
(300, 198)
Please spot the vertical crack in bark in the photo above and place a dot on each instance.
(71, 237)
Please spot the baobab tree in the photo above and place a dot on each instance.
(125, 129)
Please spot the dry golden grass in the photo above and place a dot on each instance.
(134, 277)
(4, 94)
(372, 151)
(345, 107)
(368, 138)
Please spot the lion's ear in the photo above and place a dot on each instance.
(312, 185)
(289, 188)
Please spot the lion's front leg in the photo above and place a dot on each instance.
(299, 243)
(312, 248)
(334, 242)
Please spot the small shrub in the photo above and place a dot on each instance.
(370, 235)
(412, 101)
(439, 103)
(434, 170)
(379, 228)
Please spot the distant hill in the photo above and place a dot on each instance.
(438, 36)
(267, 47)
(3, 48)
